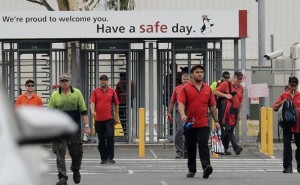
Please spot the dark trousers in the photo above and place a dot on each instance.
(287, 148)
(74, 145)
(228, 135)
(193, 137)
(123, 117)
(105, 131)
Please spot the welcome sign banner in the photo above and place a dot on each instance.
(123, 24)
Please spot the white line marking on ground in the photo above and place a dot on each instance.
(157, 159)
(153, 153)
(163, 183)
(130, 171)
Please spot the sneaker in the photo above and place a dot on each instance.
(238, 150)
(288, 169)
(178, 156)
(207, 171)
(185, 155)
(76, 176)
(103, 162)
(111, 161)
(62, 182)
(190, 175)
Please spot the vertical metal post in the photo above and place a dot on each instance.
(236, 54)
(245, 94)
(73, 67)
(261, 32)
(236, 67)
(112, 61)
(151, 95)
(119, 5)
(97, 64)
(129, 71)
(34, 70)
(272, 42)
(261, 40)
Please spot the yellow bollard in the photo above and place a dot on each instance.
(270, 131)
(214, 155)
(141, 132)
(263, 129)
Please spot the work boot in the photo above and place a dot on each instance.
(111, 161)
(76, 176)
(238, 150)
(288, 169)
(103, 162)
(178, 155)
(185, 156)
(226, 153)
(62, 182)
(207, 171)
(190, 175)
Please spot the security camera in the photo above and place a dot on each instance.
(274, 54)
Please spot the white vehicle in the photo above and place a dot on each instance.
(23, 161)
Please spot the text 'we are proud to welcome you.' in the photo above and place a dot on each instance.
(102, 26)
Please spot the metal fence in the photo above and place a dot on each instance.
(19, 63)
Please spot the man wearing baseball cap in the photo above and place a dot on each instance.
(102, 100)
(70, 101)
(233, 94)
(225, 77)
(29, 97)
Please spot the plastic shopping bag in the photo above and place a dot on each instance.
(216, 142)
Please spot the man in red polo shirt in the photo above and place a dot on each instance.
(179, 137)
(292, 94)
(193, 102)
(234, 94)
(101, 101)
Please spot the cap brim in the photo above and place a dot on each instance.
(64, 79)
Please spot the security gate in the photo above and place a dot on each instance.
(41, 61)
(181, 55)
(120, 60)
(124, 67)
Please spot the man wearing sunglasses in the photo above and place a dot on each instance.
(29, 97)
(70, 101)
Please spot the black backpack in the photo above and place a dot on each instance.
(287, 115)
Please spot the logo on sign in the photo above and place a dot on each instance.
(207, 25)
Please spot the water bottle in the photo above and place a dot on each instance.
(219, 132)
(85, 138)
(190, 123)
